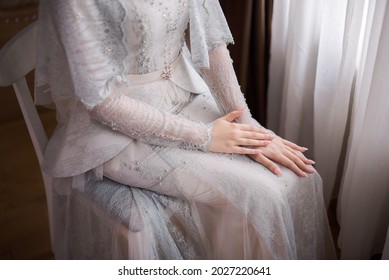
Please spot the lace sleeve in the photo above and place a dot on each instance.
(208, 29)
(223, 84)
(91, 36)
(149, 124)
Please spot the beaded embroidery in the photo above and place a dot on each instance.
(167, 72)
(172, 24)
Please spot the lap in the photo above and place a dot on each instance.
(211, 178)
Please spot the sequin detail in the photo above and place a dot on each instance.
(170, 22)
(167, 73)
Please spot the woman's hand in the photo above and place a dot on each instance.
(285, 153)
(234, 138)
(266, 149)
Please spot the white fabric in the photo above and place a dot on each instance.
(270, 217)
(294, 124)
(228, 95)
(143, 121)
(208, 29)
(117, 47)
(329, 92)
(133, 129)
(364, 196)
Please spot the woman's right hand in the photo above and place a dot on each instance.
(234, 138)
(286, 153)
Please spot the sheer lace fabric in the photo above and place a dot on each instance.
(123, 223)
(150, 125)
(270, 217)
(219, 196)
(208, 29)
(152, 135)
(222, 81)
(86, 49)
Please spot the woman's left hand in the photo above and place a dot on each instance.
(286, 153)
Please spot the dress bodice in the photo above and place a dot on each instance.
(85, 51)
(154, 32)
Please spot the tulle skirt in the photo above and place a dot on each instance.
(190, 204)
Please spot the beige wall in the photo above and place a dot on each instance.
(14, 16)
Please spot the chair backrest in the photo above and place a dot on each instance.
(17, 59)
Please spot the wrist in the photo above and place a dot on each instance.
(205, 146)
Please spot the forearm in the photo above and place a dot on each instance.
(224, 85)
(149, 124)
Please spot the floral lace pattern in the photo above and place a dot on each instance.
(152, 22)
(153, 135)
(149, 124)
(222, 81)
(105, 44)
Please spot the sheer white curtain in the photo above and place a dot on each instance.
(329, 91)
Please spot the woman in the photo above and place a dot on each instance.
(133, 108)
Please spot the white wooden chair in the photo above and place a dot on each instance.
(17, 59)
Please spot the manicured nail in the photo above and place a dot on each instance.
(305, 149)
(312, 162)
(278, 172)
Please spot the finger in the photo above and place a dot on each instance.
(243, 150)
(247, 127)
(301, 156)
(285, 161)
(292, 166)
(230, 117)
(256, 135)
(253, 142)
(269, 164)
(297, 161)
(294, 146)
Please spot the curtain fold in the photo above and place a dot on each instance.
(294, 51)
(331, 117)
(328, 91)
(363, 207)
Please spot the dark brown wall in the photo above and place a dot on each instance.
(12, 20)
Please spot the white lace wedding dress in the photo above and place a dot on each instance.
(133, 108)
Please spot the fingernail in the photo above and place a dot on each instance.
(278, 172)
(312, 162)
(305, 149)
